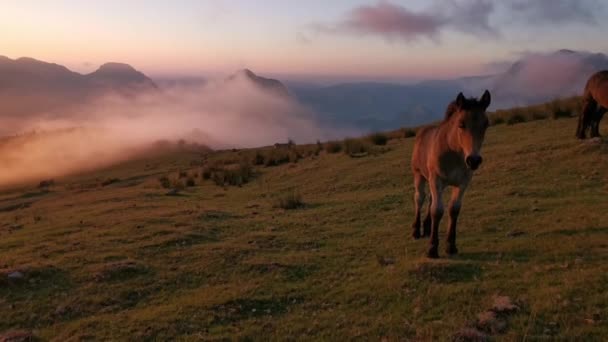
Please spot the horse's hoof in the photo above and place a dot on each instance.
(451, 250)
(432, 253)
(416, 235)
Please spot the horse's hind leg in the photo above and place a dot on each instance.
(426, 225)
(419, 195)
(595, 123)
(584, 119)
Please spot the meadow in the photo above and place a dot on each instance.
(182, 246)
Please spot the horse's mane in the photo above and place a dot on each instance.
(452, 108)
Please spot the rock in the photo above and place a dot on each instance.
(470, 335)
(17, 336)
(503, 304)
(172, 192)
(384, 261)
(16, 275)
(515, 233)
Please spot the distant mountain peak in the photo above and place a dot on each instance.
(263, 83)
(116, 67)
(565, 52)
(247, 72)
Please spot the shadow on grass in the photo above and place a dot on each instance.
(247, 308)
(518, 256)
(447, 272)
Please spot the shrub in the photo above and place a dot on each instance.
(538, 116)
(409, 133)
(290, 200)
(333, 147)
(110, 181)
(46, 183)
(355, 146)
(516, 118)
(165, 182)
(559, 112)
(378, 139)
(190, 182)
(232, 174)
(177, 184)
(497, 121)
(319, 148)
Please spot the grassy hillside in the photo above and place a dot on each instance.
(126, 261)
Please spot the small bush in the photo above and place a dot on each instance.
(538, 116)
(165, 182)
(333, 147)
(409, 133)
(190, 182)
(378, 139)
(110, 181)
(319, 148)
(233, 174)
(46, 183)
(177, 184)
(497, 121)
(258, 158)
(515, 119)
(355, 146)
(290, 200)
(558, 112)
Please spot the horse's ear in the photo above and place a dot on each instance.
(460, 100)
(486, 99)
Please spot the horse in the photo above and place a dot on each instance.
(447, 155)
(595, 104)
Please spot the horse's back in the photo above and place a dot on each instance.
(597, 87)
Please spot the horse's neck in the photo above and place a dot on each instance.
(446, 132)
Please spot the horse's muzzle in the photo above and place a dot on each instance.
(473, 162)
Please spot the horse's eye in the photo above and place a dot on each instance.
(462, 125)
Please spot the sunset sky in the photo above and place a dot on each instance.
(367, 40)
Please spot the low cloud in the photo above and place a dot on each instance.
(111, 128)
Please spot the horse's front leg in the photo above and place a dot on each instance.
(584, 119)
(454, 211)
(419, 195)
(436, 188)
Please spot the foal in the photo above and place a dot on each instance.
(444, 155)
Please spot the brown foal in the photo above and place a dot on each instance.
(447, 155)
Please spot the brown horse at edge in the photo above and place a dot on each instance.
(595, 104)
(447, 155)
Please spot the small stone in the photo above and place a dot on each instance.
(15, 275)
(503, 304)
(515, 233)
(17, 336)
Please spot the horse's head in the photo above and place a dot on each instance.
(470, 123)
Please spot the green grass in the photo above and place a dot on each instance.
(126, 262)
